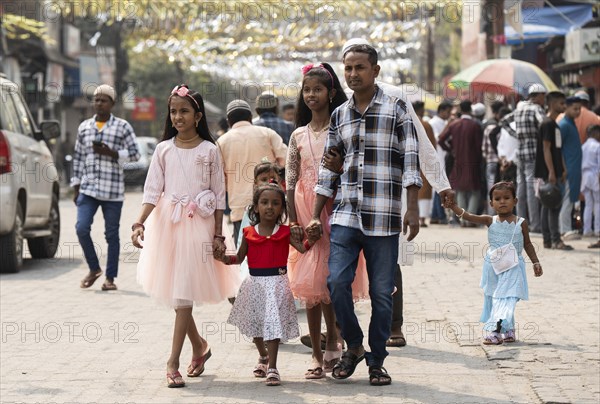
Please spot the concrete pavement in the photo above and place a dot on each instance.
(64, 344)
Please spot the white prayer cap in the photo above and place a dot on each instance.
(105, 89)
(536, 88)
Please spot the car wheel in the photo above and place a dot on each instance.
(45, 247)
(11, 245)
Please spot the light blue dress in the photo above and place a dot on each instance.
(503, 291)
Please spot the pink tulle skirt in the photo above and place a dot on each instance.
(176, 265)
(308, 272)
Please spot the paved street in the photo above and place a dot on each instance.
(64, 344)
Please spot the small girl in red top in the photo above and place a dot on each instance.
(264, 308)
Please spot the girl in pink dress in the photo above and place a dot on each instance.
(184, 198)
(321, 93)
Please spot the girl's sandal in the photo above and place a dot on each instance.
(330, 358)
(196, 367)
(493, 338)
(273, 378)
(175, 380)
(315, 372)
(510, 336)
(260, 370)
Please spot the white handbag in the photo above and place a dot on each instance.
(206, 203)
(505, 257)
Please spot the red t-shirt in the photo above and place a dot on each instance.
(267, 252)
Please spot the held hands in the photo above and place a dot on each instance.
(136, 235)
(313, 238)
(314, 230)
(297, 232)
(449, 204)
(219, 249)
(537, 269)
(332, 160)
(448, 198)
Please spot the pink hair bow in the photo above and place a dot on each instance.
(307, 67)
(180, 91)
(183, 91)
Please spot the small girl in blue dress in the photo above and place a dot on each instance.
(503, 290)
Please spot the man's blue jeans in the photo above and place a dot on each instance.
(381, 254)
(437, 211)
(86, 209)
(528, 205)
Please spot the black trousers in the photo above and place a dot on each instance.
(397, 304)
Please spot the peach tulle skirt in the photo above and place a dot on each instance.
(176, 265)
(308, 272)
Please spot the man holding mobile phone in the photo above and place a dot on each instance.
(104, 143)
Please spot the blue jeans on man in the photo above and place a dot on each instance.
(346, 245)
(528, 205)
(111, 210)
(438, 215)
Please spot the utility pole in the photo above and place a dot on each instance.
(3, 48)
(492, 25)
(487, 26)
(498, 28)
(430, 57)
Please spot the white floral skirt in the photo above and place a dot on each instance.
(264, 308)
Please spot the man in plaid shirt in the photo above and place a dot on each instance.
(528, 117)
(104, 144)
(376, 138)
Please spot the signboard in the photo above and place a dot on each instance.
(89, 77)
(145, 109)
(71, 41)
(583, 45)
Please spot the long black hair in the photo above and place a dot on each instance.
(202, 128)
(330, 80)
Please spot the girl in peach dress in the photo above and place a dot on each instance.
(184, 198)
(321, 93)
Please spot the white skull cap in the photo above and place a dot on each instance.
(478, 109)
(582, 95)
(353, 42)
(536, 88)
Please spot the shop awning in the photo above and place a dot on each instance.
(541, 24)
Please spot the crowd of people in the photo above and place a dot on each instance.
(320, 207)
(547, 146)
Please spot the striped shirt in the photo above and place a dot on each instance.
(380, 153)
(99, 176)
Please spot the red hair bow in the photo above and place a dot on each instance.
(307, 67)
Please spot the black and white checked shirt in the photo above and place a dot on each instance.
(101, 177)
(380, 153)
(527, 117)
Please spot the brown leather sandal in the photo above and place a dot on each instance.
(109, 285)
(90, 279)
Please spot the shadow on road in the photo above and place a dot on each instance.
(43, 269)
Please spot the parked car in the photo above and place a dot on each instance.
(135, 172)
(29, 182)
